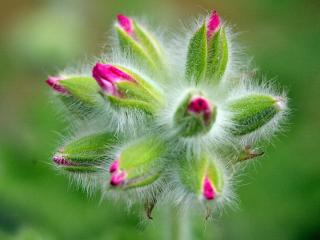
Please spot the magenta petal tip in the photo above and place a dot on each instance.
(213, 24)
(200, 105)
(107, 76)
(118, 178)
(114, 166)
(53, 82)
(125, 23)
(59, 160)
(207, 189)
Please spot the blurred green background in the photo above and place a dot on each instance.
(279, 197)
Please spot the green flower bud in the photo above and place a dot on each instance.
(201, 176)
(85, 154)
(253, 112)
(83, 89)
(195, 115)
(125, 88)
(207, 56)
(134, 38)
(79, 94)
(139, 164)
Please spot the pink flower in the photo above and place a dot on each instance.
(214, 24)
(200, 105)
(207, 189)
(126, 24)
(108, 75)
(53, 82)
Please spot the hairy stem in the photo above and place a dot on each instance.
(180, 225)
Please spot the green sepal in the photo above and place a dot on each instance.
(189, 124)
(75, 107)
(131, 46)
(131, 104)
(142, 161)
(81, 169)
(252, 112)
(86, 153)
(218, 54)
(143, 181)
(89, 148)
(83, 96)
(138, 94)
(133, 91)
(83, 89)
(193, 169)
(149, 44)
(197, 55)
(143, 90)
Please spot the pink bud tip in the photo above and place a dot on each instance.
(59, 160)
(107, 76)
(114, 166)
(207, 189)
(200, 105)
(118, 178)
(125, 23)
(213, 24)
(53, 82)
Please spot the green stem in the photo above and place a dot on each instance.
(180, 225)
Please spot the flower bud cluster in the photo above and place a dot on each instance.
(195, 100)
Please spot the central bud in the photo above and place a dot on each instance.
(195, 115)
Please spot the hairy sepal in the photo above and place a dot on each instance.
(190, 124)
(194, 172)
(84, 89)
(140, 94)
(218, 55)
(207, 58)
(85, 154)
(141, 162)
(128, 45)
(150, 44)
(251, 112)
(197, 55)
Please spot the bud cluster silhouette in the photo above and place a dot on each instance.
(165, 117)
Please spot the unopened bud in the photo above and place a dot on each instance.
(252, 112)
(195, 115)
(218, 52)
(85, 154)
(201, 176)
(125, 88)
(134, 38)
(79, 94)
(139, 164)
(207, 56)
